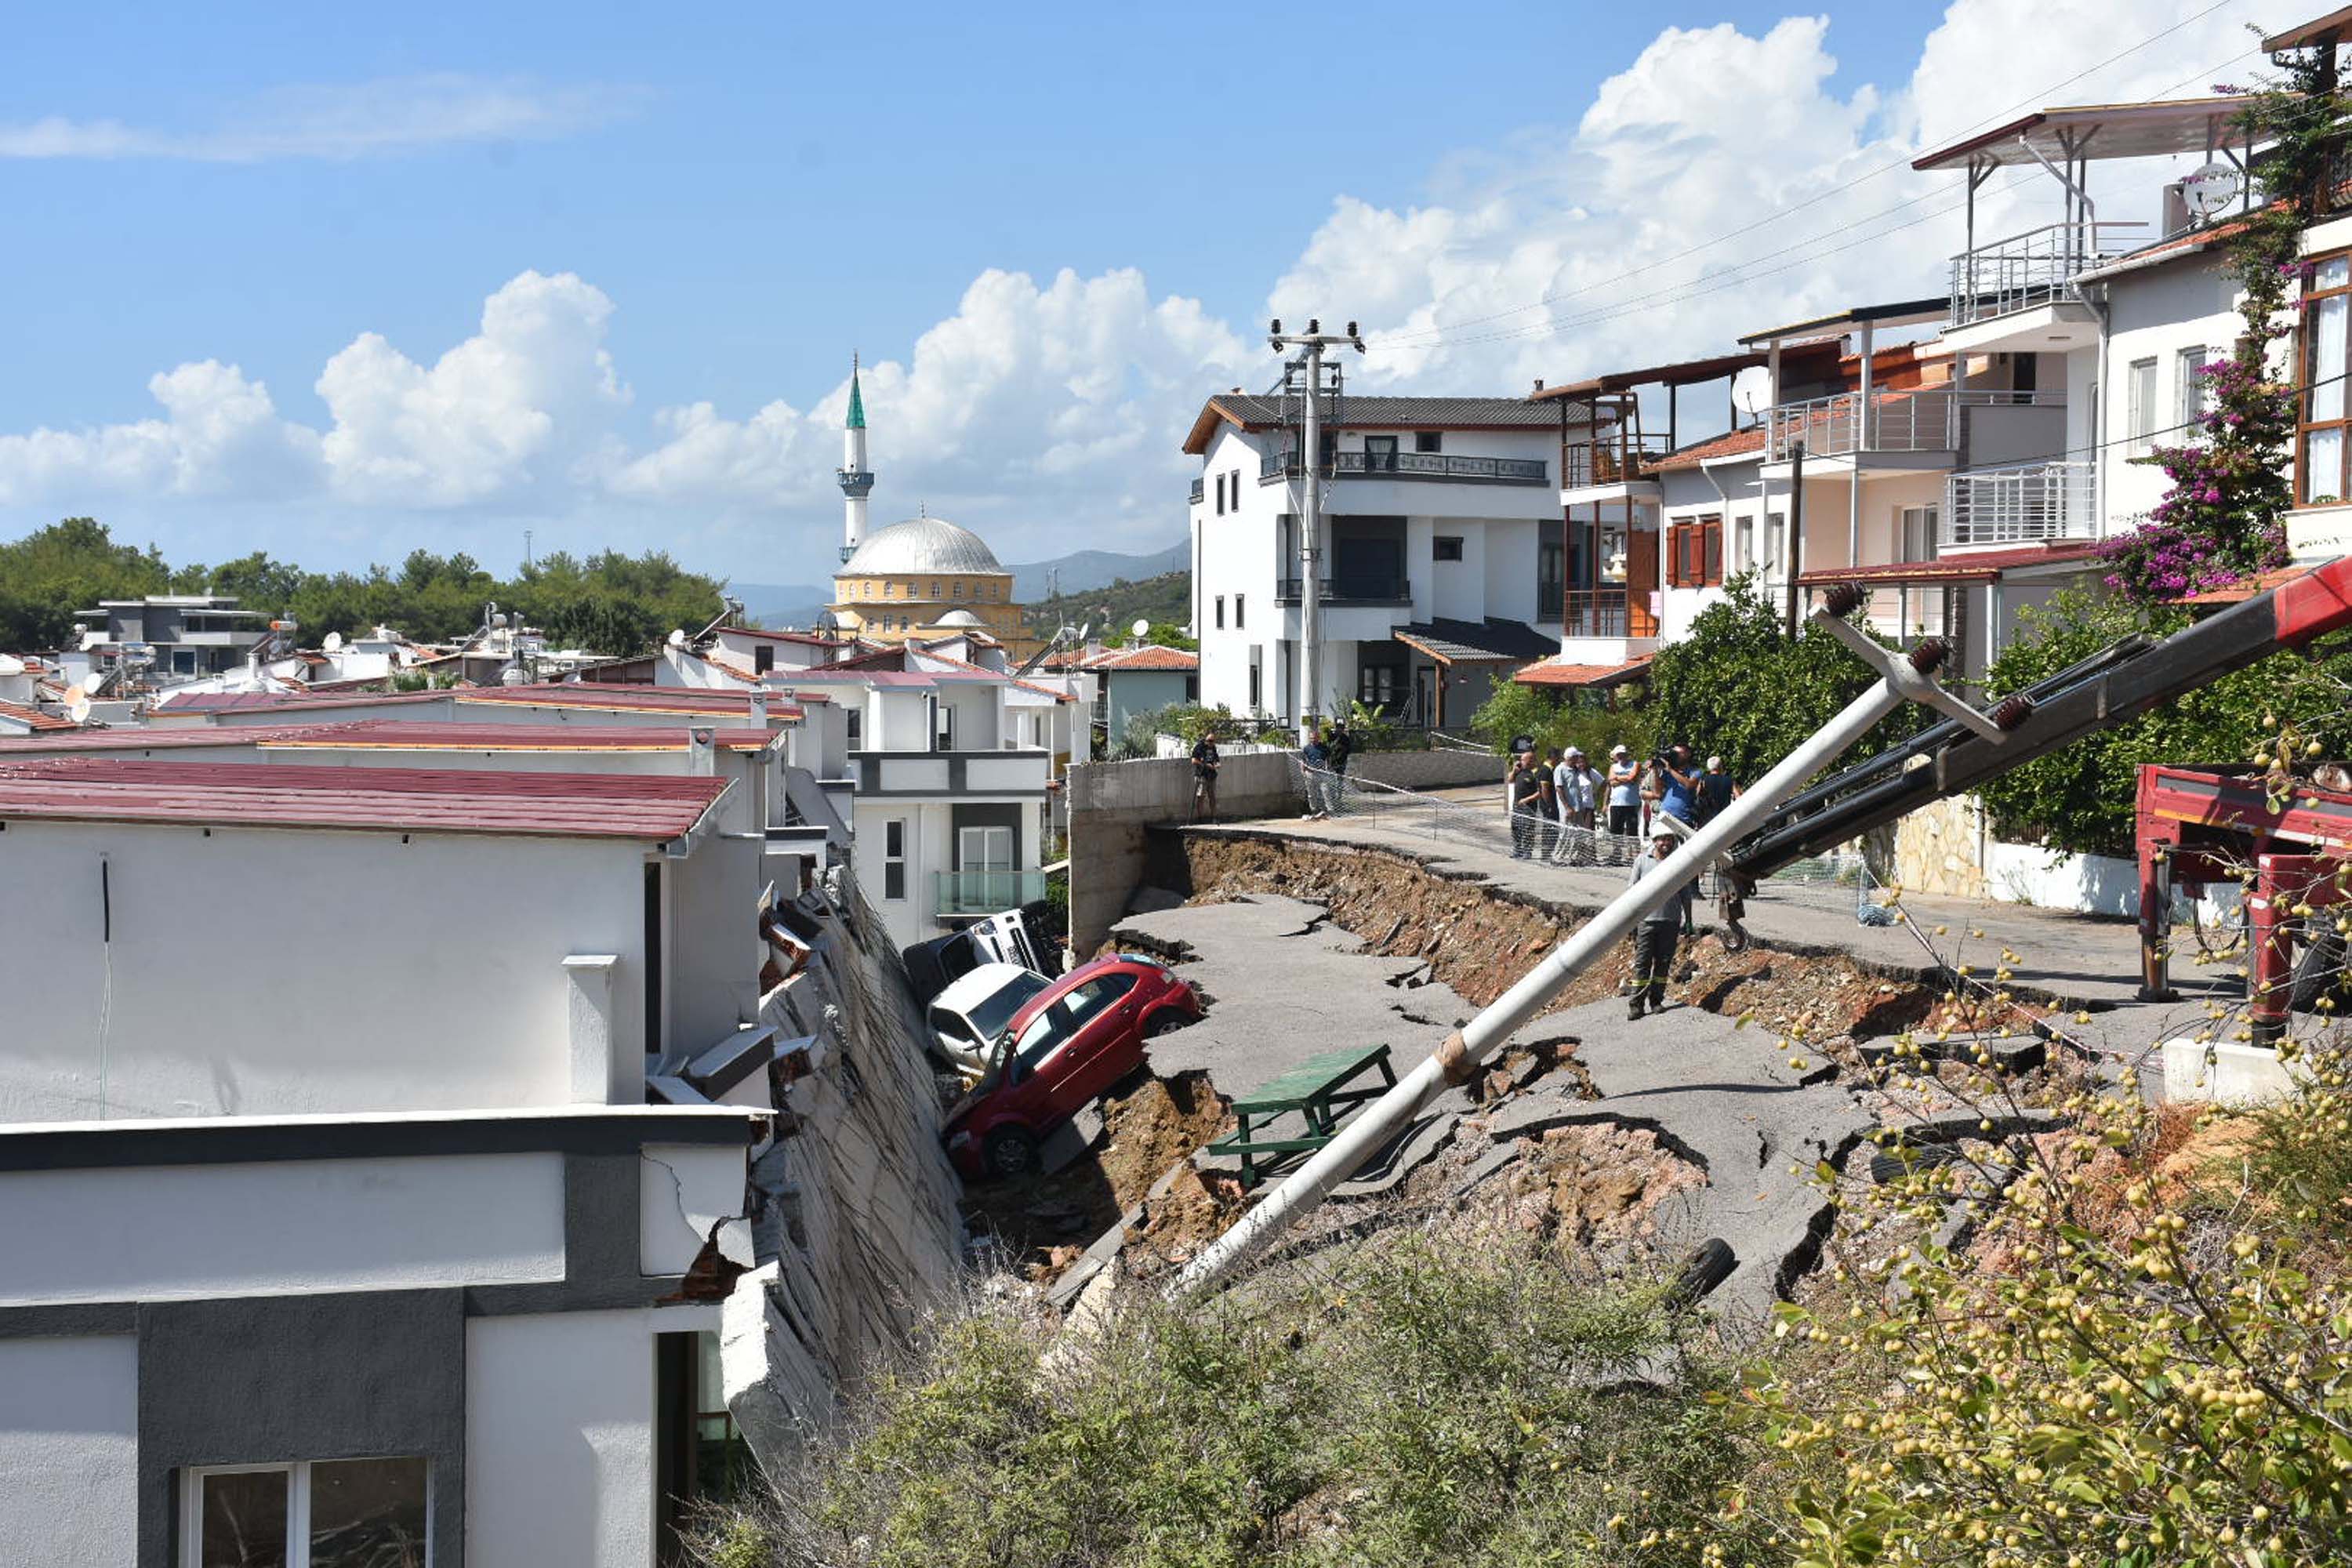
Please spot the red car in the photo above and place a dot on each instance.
(1065, 1046)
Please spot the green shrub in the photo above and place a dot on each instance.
(1473, 1400)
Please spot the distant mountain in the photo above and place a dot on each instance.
(799, 604)
(781, 603)
(1087, 569)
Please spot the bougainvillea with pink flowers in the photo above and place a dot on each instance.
(2224, 519)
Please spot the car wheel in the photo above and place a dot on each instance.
(1010, 1152)
(1163, 1022)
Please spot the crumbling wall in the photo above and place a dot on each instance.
(857, 1224)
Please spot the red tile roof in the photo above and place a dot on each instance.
(693, 701)
(1980, 566)
(400, 734)
(1153, 656)
(35, 718)
(1552, 672)
(403, 800)
(1730, 444)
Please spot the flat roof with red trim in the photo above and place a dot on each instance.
(386, 800)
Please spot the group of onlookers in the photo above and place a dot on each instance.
(1556, 801)
(1326, 753)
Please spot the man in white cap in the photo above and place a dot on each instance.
(1624, 782)
(1577, 788)
(1661, 929)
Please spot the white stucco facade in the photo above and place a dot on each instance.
(69, 1449)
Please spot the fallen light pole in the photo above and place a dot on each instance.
(1904, 678)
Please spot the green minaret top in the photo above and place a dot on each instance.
(856, 401)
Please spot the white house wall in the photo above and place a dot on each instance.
(283, 1227)
(462, 1000)
(559, 1436)
(69, 1450)
(2154, 314)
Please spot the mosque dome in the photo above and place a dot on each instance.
(960, 618)
(922, 545)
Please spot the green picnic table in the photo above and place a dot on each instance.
(1321, 1090)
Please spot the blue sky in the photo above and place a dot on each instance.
(738, 197)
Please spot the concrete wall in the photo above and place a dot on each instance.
(1112, 805)
(559, 1429)
(69, 1450)
(448, 997)
(1428, 770)
(283, 1227)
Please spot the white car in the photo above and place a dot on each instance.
(967, 1017)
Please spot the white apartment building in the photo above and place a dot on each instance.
(954, 801)
(393, 1249)
(1442, 549)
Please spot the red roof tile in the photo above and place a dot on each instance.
(400, 734)
(1980, 566)
(1730, 444)
(414, 800)
(1552, 672)
(35, 718)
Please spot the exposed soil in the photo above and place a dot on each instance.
(1596, 1182)
(1154, 1125)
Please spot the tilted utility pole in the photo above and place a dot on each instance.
(1309, 366)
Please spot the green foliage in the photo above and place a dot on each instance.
(2080, 798)
(1562, 719)
(54, 572)
(1171, 634)
(611, 603)
(1738, 685)
(1166, 601)
(1474, 1402)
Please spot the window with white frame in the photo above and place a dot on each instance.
(856, 724)
(2140, 407)
(1915, 533)
(2191, 397)
(985, 876)
(1775, 528)
(1743, 543)
(1238, 621)
(1445, 547)
(947, 727)
(893, 859)
(1429, 440)
(2326, 331)
(324, 1513)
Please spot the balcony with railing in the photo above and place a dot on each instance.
(963, 895)
(1448, 466)
(1586, 463)
(1608, 613)
(1343, 592)
(1922, 419)
(2020, 505)
(2036, 268)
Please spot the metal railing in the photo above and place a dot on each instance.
(1491, 826)
(1583, 464)
(1287, 591)
(960, 893)
(1285, 464)
(1906, 613)
(2035, 268)
(2019, 505)
(1927, 419)
(1606, 613)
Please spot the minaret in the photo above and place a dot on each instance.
(857, 479)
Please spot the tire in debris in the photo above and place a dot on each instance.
(1912, 1158)
(1011, 1152)
(1708, 1266)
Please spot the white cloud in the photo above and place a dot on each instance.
(359, 120)
(1047, 413)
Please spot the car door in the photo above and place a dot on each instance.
(1099, 1049)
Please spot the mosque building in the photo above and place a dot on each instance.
(923, 577)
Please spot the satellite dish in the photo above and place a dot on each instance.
(1140, 626)
(1085, 631)
(78, 705)
(333, 643)
(2210, 190)
(1752, 390)
(677, 637)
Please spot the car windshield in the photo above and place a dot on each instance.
(988, 1019)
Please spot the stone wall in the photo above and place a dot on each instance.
(1939, 849)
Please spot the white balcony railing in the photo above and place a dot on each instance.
(1924, 419)
(2031, 268)
(2020, 505)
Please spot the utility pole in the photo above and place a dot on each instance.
(1308, 368)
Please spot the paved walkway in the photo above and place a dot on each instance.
(2069, 961)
